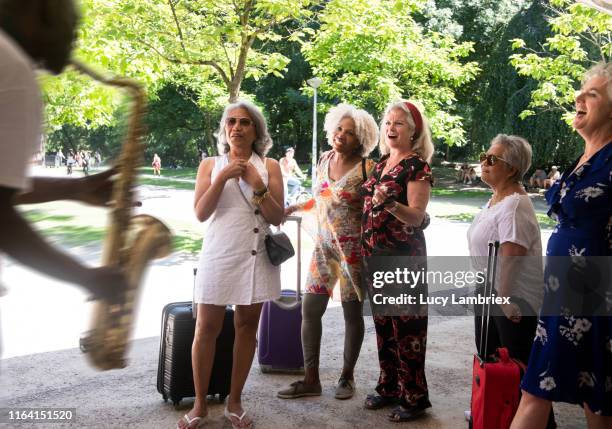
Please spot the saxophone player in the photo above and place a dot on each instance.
(40, 34)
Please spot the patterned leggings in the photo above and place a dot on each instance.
(401, 353)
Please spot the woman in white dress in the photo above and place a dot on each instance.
(234, 267)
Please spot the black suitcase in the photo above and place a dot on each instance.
(174, 372)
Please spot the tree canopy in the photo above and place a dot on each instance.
(581, 36)
(370, 52)
(479, 67)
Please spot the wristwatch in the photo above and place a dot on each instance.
(259, 196)
(260, 193)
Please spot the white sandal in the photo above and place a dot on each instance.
(189, 421)
(229, 416)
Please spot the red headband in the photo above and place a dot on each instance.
(416, 116)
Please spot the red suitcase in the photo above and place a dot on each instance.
(495, 379)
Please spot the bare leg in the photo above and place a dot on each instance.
(595, 421)
(246, 321)
(532, 412)
(208, 326)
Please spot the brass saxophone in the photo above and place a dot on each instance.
(131, 242)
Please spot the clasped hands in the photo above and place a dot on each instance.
(241, 168)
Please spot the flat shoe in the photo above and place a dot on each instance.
(345, 388)
(299, 389)
(229, 415)
(197, 420)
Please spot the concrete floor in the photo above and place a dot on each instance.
(128, 397)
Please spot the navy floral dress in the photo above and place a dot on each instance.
(401, 340)
(571, 358)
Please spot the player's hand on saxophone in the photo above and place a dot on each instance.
(106, 283)
(97, 189)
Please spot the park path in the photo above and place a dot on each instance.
(54, 319)
(42, 320)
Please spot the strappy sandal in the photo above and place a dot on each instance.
(376, 402)
(240, 425)
(197, 420)
(405, 414)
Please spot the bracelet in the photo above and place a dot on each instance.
(260, 193)
(392, 209)
(257, 199)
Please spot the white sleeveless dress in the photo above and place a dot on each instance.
(234, 267)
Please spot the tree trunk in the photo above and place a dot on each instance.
(234, 89)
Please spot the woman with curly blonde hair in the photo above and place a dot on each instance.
(352, 133)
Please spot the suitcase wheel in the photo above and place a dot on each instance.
(222, 397)
(176, 402)
(165, 398)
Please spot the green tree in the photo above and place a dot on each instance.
(505, 94)
(371, 52)
(581, 36)
(205, 47)
(221, 41)
(178, 127)
(481, 22)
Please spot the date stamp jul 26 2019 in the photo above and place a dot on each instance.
(37, 415)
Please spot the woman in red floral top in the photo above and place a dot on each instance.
(396, 198)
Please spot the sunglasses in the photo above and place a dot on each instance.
(244, 122)
(491, 159)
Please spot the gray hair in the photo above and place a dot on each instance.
(366, 129)
(601, 69)
(423, 146)
(517, 153)
(262, 143)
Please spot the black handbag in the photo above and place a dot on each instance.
(279, 247)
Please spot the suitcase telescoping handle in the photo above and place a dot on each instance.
(493, 249)
(298, 221)
(194, 306)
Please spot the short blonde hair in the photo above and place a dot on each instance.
(366, 129)
(423, 146)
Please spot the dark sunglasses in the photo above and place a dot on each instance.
(491, 159)
(244, 122)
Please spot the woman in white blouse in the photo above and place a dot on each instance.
(509, 217)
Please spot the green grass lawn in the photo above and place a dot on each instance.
(173, 173)
(460, 193)
(166, 183)
(58, 228)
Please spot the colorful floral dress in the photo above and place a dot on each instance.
(571, 358)
(401, 340)
(337, 253)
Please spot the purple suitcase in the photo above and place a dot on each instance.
(279, 344)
